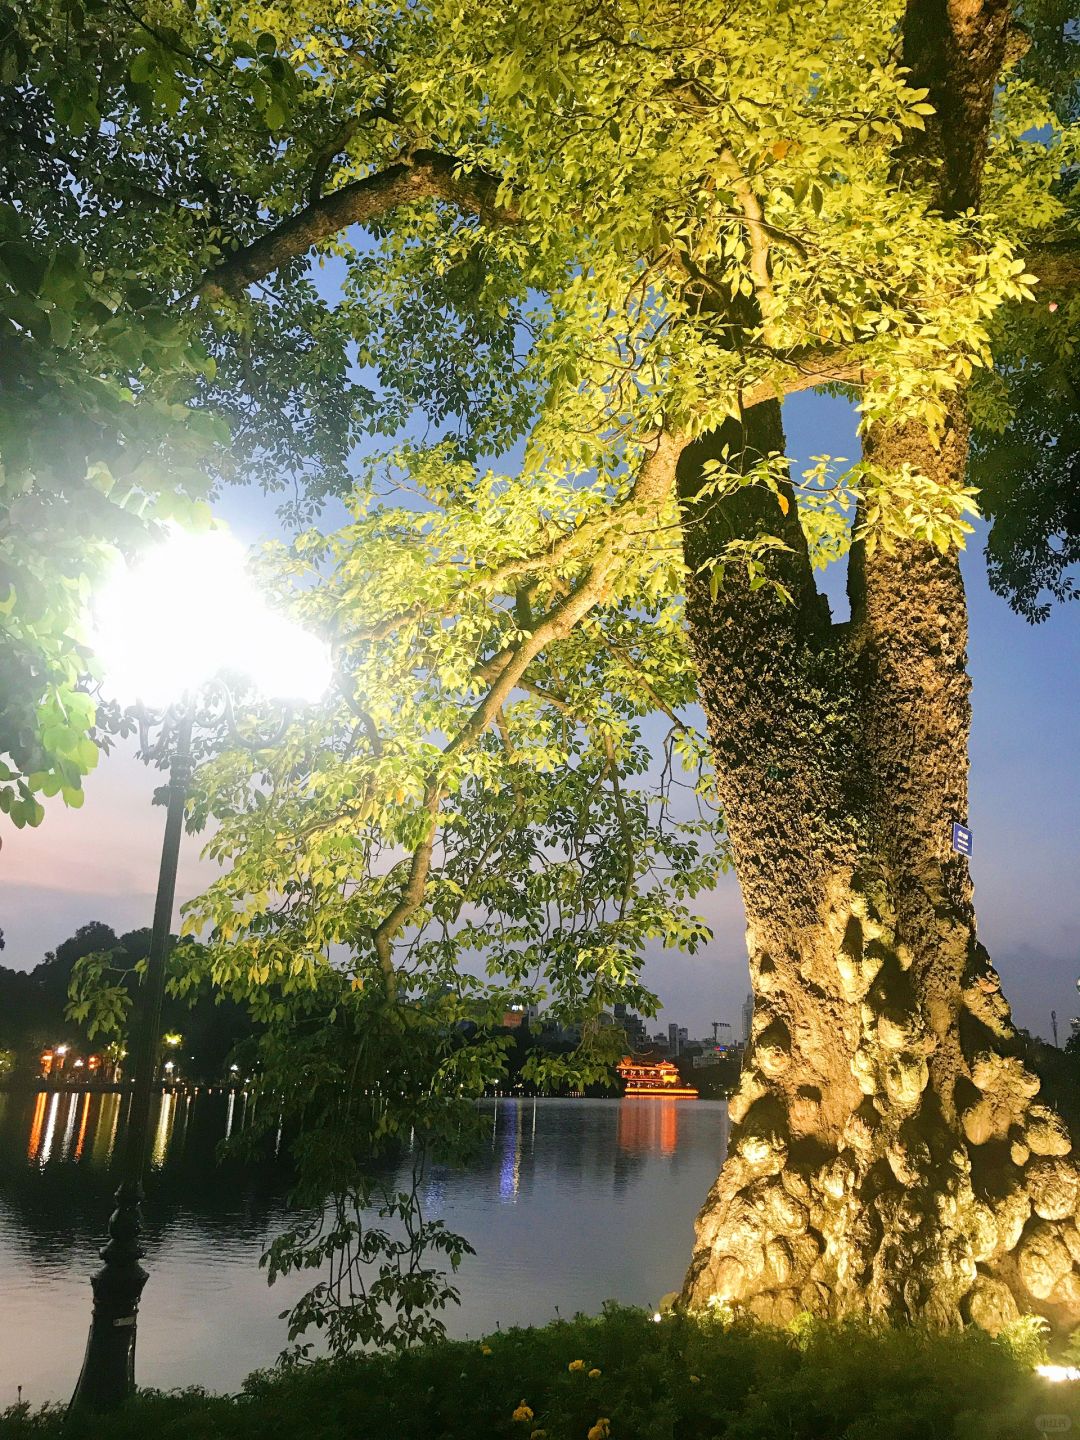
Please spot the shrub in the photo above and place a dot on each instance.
(686, 1378)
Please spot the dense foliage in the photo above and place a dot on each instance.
(1026, 473)
(104, 433)
(95, 438)
(580, 223)
(621, 1377)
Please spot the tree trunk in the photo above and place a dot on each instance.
(887, 1155)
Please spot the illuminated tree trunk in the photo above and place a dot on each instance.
(887, 1151)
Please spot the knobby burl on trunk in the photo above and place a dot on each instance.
(887, 1155)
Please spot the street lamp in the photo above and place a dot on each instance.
(165, 628)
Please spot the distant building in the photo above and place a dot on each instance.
(684, 1038)
(61, 1063)
(673, 1039)
(657, 1080)
(558, 1034)
(519, 1015)
(632, 1026)
(715, 1055)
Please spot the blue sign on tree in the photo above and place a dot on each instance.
(961, 838)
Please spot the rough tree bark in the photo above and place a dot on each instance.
(888, 1154)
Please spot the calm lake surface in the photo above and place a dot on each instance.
(569, 1203)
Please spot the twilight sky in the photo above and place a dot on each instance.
(100, 863)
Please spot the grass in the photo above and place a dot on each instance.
(681, 1379)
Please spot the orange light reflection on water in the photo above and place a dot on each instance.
(82, 1127)
(648, 1124)
(36, 1126)
(669, 1126)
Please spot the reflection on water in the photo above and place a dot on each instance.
(63, 1125)
(510, 1169)
(568, 1203)
(646, 1125)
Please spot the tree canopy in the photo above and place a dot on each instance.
(553, 245)
(559, 229)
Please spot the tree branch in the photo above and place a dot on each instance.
(624, 828)
(620, 654)
(811, 368)
(426, 175)
(757, 234)
(650, 491)
(1057, 265)
(491, 581)
(324, 157)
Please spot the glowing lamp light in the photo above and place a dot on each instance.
(61, 1049)
(1057, 1373)
(188, 610)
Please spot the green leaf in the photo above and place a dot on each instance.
(60, 328)
(142, 66)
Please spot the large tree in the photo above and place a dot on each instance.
(609, 240)
(888, 1151)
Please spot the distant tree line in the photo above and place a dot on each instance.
(33, 1005)
(217, 1031)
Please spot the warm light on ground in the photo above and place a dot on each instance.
(186, 611)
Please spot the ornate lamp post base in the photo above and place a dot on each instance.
(108, 1373)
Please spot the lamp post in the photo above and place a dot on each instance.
(108, 1371)
(281, 658)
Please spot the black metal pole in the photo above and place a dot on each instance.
(108, 1371)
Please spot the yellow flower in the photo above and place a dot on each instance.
(522, 1412)
(576, 1365)
(695, 1379)
(485, 1349)
(601, 1430)
(594, 1374)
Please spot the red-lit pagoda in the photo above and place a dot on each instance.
(653, 1080)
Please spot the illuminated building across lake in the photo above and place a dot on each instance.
(653, 1080)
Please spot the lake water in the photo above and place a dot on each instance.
(568, 1204)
